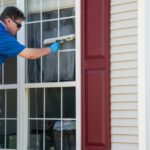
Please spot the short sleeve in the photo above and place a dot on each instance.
(9, 46)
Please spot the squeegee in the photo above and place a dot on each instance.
(60, 39)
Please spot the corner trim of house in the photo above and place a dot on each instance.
(144, 74)
(78, 73)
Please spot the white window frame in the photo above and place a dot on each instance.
(144, 74)
(22, 86)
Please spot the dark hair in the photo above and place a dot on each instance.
(12, 12)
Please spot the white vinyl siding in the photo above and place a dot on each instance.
(124, 79)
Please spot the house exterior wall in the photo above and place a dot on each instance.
(124, 96)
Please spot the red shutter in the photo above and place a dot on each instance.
(95, 26)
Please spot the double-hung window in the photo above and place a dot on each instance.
(52, 106)
(40, 99)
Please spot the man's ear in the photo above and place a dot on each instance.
(7, 20)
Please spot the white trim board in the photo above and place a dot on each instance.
(144, 74)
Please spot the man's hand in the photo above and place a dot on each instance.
(54, 47)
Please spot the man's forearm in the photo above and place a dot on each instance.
(34, 53)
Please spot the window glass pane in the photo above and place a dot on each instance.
(36, 103)
(2, 133)
(49, 10)
(67, 26)
(50, 68)
(69, 135)
(34, 69)
(33, 10)
(67, 12)
(52, 135)
(50, 14)
(2, 103)
(35, 140)
(10, 71)
(11, 132)
(33, 41)
(69, 102)
(57, 134)
(50, 29)
(67, 66)
(68, 45)
(33, 35)
(52, 103)
(11, 104)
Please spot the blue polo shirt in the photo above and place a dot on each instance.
(9, 46)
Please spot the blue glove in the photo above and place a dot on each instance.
(55, 47)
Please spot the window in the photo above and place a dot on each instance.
(49, 115)
(52, 108)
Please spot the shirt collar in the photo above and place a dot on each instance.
(1, 22)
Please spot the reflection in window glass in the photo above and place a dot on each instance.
(11, 133)
(2, 103)
(52, 135)
(52, 103)
(10, 71)
(50, 14)
(67, 66)
(50, 29)
(68, 45)
(33, 35)
(33, 10)
(33, 16)
(49, 9)
(50, 68)
(33, 66)
(69, 135)
(67, 27)
(35, 139)
(2, 134)
(34, 69)
(69, 102)
(36, 103)
(67, 12)
(11, 104)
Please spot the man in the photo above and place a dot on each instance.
(10, 23)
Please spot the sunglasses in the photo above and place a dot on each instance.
(17, 24)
